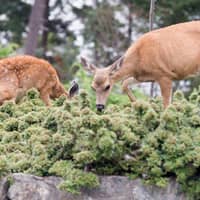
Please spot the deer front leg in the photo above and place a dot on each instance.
(46, 92)
(166, 90)
(127, 90)
(45, 97)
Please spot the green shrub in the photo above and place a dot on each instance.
(70, 139)
(74, 178)
(7, 50)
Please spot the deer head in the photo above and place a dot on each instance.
(103, 80)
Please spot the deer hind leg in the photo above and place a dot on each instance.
(166, 90)
(127, 90)
(8, 87)
(7, 94)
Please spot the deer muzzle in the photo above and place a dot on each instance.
(100, 107)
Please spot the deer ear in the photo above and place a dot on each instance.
(74, 89)
(116, 65)
(88, 66)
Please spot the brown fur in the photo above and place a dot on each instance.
(20, 73)
(163, 55)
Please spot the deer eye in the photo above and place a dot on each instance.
(107, 88)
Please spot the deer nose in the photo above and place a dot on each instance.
(100, 107)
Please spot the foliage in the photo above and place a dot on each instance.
(168, 12)
(74, 178)
(7, 50)
(71, 140)
(63, 60)
(15, 18)
(102, 32)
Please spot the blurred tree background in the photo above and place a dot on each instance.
(102, 30)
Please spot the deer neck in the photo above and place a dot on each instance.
(123, 73)
(129, 66)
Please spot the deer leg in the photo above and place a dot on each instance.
(127, 90)
(166, 90)
(45, 97)
(7, 95)
(20, 92)
(8, 89)
(46, 91)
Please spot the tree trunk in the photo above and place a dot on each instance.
(36, 22)
(130, 24)
(96, 57)
(151, 20)
(151, 14)
(45, 32)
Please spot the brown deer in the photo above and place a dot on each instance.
(163, 55)
(20, 73)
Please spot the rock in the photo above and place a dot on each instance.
(4, 185)
(29, 187)
(121, 188)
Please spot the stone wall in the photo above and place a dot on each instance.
(29, 187)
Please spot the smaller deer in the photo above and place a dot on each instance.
(163, 55)
(20, 73)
